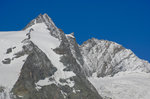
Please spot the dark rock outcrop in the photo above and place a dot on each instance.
(6, 61)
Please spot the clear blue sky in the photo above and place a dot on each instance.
(126, 22)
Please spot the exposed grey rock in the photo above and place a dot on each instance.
(75, 50)
(36, 67)
(6, 61)
(9, 50)
(2, 89)
(87, 91)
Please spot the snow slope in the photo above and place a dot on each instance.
(9, 73)
(124, 85)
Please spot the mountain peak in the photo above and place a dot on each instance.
(41, 19)
(43, 23)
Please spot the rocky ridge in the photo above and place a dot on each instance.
(108, 58)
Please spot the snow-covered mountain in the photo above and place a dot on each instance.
(108, 58)
(116, 72)
(38, 63)
(42, 62)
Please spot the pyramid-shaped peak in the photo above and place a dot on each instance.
(45, 14)
(41, 19)
(43, 23)
(40, 15)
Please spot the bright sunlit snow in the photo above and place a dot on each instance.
(9, 73)
(124, 85)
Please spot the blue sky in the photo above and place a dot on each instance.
(126, 22)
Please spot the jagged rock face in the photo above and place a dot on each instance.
(108, 58)
(37, 66)
(75, 50)
(54, 31)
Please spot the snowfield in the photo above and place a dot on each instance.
(124, 85)
(9, 73)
